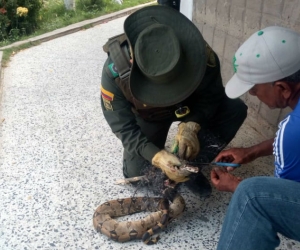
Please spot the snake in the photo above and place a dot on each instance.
(162, 213)
(122, 231)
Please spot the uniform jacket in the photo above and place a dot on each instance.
(120, 110)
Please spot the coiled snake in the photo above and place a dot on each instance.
(122, 231)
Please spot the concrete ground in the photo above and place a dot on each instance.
(59, 159)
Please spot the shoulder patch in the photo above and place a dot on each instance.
(113, 70)
(107, 105)
(109, 96)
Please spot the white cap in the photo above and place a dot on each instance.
(268, 55)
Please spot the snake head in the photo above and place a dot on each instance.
(187, 169)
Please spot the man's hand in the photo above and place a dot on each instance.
(223, 181)
(186, 140)
(235, 155)
(168, 163)
(246, 155)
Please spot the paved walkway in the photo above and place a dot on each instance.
(59, 159)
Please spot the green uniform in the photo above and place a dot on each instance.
(143, 130)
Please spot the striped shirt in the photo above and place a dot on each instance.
(286, 147)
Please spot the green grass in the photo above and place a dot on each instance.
(7, 53)
(53, 16)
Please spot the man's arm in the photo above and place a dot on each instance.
(122, 121)
(264, 148)
(227, 182)
(246, 155)
(203, 104)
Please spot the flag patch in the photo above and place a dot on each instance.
(106, 94)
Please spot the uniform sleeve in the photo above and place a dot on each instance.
(205, 101)
(122, 121)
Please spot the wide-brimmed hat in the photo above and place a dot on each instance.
(169, 55)
(270, 54)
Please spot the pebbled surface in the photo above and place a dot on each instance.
(59, 160)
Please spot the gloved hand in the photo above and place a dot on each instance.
(168, 163)
(186, 140)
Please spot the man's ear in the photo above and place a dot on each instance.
(284, 89)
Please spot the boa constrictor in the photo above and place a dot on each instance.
(123, 231)
(162, 214)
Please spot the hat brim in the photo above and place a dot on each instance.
(193, 48)
(235, 87)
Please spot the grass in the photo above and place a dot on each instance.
(7, 53)
(53, 15)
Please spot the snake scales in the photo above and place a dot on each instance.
(122, 231)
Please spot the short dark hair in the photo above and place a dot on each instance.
(294, 78)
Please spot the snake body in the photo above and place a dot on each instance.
(122, 231)
(146, 228)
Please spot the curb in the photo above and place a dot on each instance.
(66, 31)
(76, 27)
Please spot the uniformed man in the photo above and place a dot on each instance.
(161, 71)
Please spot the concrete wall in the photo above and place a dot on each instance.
(225, 24)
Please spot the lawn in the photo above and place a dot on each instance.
(53, 14)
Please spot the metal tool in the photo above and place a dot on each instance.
(226, 164)
(220, 164)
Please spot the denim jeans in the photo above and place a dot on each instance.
(260, 208)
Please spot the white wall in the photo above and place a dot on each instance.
(186, 8)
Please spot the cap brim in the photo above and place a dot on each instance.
(236, 87)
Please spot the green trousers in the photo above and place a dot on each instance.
(213, 136)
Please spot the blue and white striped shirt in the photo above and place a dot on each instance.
(286, 147)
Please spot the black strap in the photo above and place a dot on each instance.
(121, 38)
(118, 56)
(121, 62)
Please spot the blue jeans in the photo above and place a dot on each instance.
(260, 208)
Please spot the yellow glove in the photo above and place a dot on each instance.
(168, 163)
(186, 140)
